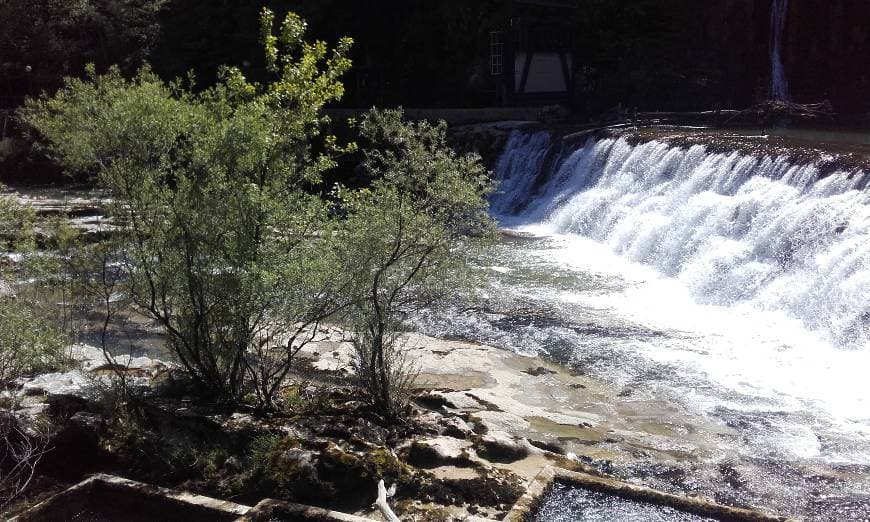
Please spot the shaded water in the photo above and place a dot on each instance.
(569, 504)
(731, 285)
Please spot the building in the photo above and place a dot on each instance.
(530, 54)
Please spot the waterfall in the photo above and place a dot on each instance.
(734, 228)
(778, 79)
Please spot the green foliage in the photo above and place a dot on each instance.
(409, 236)
(29, 340)
(28, 344)
(226, 243)
(223, 241)
(261, 450)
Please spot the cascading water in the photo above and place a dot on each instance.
(734, 229)
(732, 285)
(778, 79)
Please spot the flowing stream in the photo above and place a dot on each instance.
(730, 284)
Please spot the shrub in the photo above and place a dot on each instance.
(29, 340)
(408, 236)
(223, 243)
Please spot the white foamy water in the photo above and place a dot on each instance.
(734, 230)
(765, 355)
(732, 286)
(754, 272)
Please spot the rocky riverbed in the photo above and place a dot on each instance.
(485, 422)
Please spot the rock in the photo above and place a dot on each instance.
(73, 383)
(440, 451)
(457, 428)
(66, 406)
(462, 401)
(341, 471)
(87, 421)
(540, 370)
(302, 461)
(92, 359)
(548, 446)
(30, 408)
(75, 449)
(500, 421)
(88, 356)
(84, 383)
(432, 400)
(492, 488)
(499, 447)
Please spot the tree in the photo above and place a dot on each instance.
(408, 235)
(41, 40)
(225, 240)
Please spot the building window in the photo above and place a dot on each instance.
(496, 53)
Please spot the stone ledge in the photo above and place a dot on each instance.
(269, 510)
(102, 492)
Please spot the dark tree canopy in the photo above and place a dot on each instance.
(650, 54)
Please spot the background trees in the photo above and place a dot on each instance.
(54, 38)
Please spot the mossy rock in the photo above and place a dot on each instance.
(492, 489)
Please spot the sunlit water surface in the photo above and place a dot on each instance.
(734, 287)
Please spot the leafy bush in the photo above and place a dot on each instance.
(29, 340)
(27, 344)
(222, 245)
(408, 235)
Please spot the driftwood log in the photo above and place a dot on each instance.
(382, 505)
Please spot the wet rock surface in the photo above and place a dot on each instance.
(471, 446)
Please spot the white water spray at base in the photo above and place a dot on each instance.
(733, 229)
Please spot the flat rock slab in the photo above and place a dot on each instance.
(84, 382)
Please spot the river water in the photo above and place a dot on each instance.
(733, 285)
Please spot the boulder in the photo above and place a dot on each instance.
(462, 401)
(74, 449)
(83, 383)
(73, 383)
(439, 451)
(457, 428)
(500, 447)
(500, 421)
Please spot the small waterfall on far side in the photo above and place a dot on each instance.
(778, 79)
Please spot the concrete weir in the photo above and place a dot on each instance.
(109, 497)
(114, 498)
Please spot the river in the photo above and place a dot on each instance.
(732, 284)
